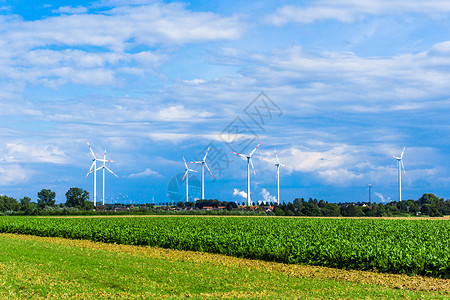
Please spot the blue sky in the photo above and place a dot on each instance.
(349, 83)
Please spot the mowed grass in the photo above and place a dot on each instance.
(42, 267)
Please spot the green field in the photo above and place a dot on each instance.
(39, 267)
(397, 246)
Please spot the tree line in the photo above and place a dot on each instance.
(77, 202)
(429, 205)
(76, 199)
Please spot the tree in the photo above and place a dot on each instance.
(46, 198)
(180, 204)
(352, 211)
(25, 203)
(425, 209)
(79, 198)
(311, 208)
(8, 203)
(279, 212)
(428, 199)
(434, 212)
(207, 202)
(331, 210)
(231, 205)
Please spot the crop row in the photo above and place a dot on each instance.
(397, 246)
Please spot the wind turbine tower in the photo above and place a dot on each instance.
(104, 160)
(93, 169)
(278, 177)
(203, 162)
(187, 179)
(400, 167)
(249, 161)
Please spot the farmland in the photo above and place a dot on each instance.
(43, 267)
(396, 246)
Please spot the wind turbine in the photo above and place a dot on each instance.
(278, 177)
(187, 179)
(104, 160)
(249, 161)
(400, 162)
(93, 169)
(203, 162)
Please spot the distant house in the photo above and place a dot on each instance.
(121, 208)
(268, 209)
(208, 207)
(101, 208)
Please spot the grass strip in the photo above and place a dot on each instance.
(42, 267)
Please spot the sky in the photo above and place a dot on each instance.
(335, 87)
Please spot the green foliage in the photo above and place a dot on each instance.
(435, 212)
(211, 202)
(8, 204)
(428, 199)
(398, 246)
(352, 211)
(331, 210)
(46, 198)
(78, 198)
(52, 269)
(279, 212)
(311, 209)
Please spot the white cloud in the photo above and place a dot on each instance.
(70, 10)
(115, 34)
(237, 192)
(28, 153)
(308, 160)
(349, 10)
(195, 81)
(347, 81)
(180, 113)
(11, 174)
(146, 173)
(340, 177)
(381, 197)
(267, 197)
(336, 164)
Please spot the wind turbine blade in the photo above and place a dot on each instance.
(251, 162)
(91, 149)
(104, 155)
(206, 165)
(185, 163)
(195, 162)
(278, 171)
(204, 158)
(106, 160)
(283, 165)
(404, 172)
(192, 170)
(185, 175)
(251, 153)
(396, 157)
(90, 170)
(278, 161)
(240, 154)
(111, 172)
(401, 156)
